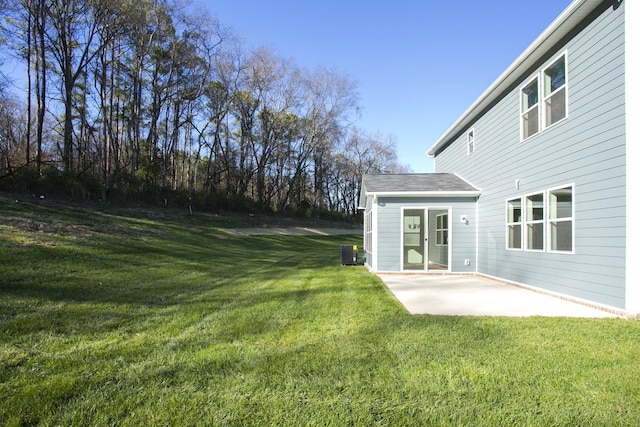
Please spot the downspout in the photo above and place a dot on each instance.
(477, 234)
(374, 234)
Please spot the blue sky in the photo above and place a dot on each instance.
(418, 64)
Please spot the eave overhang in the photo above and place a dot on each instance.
(424, 194)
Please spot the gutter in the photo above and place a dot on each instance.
(426, 194)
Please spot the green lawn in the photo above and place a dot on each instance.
(135, 317)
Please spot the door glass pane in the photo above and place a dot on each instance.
(413, 239)
(437, 249)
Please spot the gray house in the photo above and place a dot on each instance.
(533, 180)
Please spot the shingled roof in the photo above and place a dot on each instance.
(415, 184)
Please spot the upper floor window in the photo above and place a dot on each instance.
(551, 83)
(529, 108)
(555, 98)
(470, 142)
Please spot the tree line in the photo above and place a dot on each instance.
(149, 99)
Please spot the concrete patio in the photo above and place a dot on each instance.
(470, 295)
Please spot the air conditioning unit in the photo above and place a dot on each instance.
(349, 254)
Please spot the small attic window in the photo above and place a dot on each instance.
(471, 142)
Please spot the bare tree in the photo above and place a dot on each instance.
(12, 136)
(152, 98)
(358, 154)
(73, 37)
(328, 99)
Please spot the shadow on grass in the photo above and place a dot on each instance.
(167, 268)
(184, 325)
(104, 270)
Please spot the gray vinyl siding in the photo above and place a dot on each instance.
(461, 236)
(587, 149)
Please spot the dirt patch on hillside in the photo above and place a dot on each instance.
(292, 231)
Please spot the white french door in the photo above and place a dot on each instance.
(425, 239)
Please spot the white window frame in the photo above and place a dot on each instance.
(512, 223)
(536, 107)
(471, 141)
(547, 221)
(551, 221)
(543, 97)
(526, 222)
(440, 231)
(546, 96)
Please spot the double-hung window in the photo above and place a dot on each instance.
(542, 221)
(534, 222)
(561, 219)
(514, 223)
(555, 92)
(551, 85)
(530, 109)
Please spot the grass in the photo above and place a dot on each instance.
(133, 317)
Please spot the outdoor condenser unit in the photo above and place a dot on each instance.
(349, 254)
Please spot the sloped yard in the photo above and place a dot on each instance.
(110, 318)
